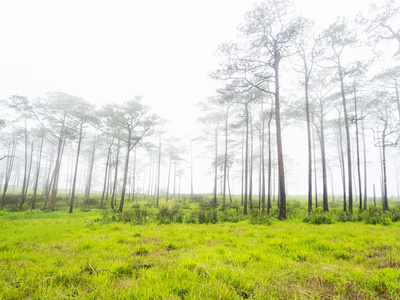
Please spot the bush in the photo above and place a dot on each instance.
(231, 215)
(318, 219)
(207, 216)
(260, 218)
(345, 217)
(374, 216)
(166, 215)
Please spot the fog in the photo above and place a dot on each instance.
(108, 52)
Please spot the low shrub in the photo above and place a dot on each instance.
(318, 219)
(260, 218)
(345, 217)
(168, 215)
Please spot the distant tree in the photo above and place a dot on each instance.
(320, 89)
(337, 38)
(269, 32)
(390, 79)
(307, 51)
(22, 108)
(381, 22)
(12, 145)
(83, 113)
(40, 133)
(132, 120)
(386, 133)
(55, 114)
(211, 120)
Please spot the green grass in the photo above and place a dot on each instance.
(95, 254)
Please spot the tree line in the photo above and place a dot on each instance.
(283, 70)
(339, 83)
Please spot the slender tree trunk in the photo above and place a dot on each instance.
(315, 172)
(90, 172)
(341, 155)
(134, 175)
(374, 195)
(215, 165)
(365, 160)
(263, 162)
(9, 167)
(225, 161)
(29, 171)
(269, 205)
(169, 177)
(229, 189)
(175, 163)
(385, 205)
(60, 147)
(191, 171)
(242, 172)
(346, 122)
(23, 195)
(125, 180)
(323, 159)
(333, 195)
(105, 176)
(71, 205)
(246, 160)
(159, 170)
(281, 170)
(396, 85)
(251, 164)
(309, 192)
(113, 196)
(358, 151)
(39, 160)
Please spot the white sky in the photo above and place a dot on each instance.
(109, 51)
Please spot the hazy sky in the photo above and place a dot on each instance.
(109, 51)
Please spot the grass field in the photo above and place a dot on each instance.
(93, 254)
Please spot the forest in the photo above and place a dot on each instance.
(100, 200)
(339, 84)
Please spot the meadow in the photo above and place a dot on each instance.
(191, 250)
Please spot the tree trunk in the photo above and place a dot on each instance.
(71, 205)
(159, 170)
(341, 157)
(215, 165)
(315, 173)
(125, 180)
(246, 160)
(225, 161)
(346, 122)
(191, 171)
(60, 148)
(134, 175)
(358, 152)
(365, 160)
(90, 172)
(169, 177)
(323, 159)
(269, 205)
(263, 162)
(23, 195)
(281, 170)
(251, 164)
(113, 196)
(9, 167)
(39, 160)
(309, 192)
(385, 205)
(105, 177)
